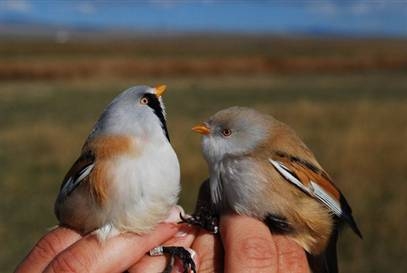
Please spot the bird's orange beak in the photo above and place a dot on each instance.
(160, 89)
(202, 129)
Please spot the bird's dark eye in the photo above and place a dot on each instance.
(144, 100)
(226, 132)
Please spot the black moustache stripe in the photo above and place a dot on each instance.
(154, 104)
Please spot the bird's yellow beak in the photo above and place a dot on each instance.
(160, 89)
(201, 129)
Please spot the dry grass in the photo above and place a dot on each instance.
(129, 67)
(355, 123)
(197, 56)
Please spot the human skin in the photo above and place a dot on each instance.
(246, 245)
(64, 250)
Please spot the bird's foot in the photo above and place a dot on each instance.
(175, 252)
(206, 222)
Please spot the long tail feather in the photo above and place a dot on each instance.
(326, 262)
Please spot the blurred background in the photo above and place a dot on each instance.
(336, 71)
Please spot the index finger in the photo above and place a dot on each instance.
(250, 247)
(46, 249)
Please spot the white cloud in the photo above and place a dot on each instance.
(16, 5)
(86, 8)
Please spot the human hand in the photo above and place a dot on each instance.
(64, 250)
(247, 242)
(248, 247)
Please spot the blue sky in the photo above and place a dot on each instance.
(360, 17)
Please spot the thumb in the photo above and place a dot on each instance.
(250, 247)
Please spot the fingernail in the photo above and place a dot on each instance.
(173, 216)
(184, 231)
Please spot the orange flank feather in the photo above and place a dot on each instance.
(98, 182)
(105, 148)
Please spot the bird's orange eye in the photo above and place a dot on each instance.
(226, 132)
(144, 100)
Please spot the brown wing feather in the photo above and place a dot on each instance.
(309, 178)
(307, 172)
(87, 158)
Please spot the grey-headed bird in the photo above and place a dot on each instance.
(127, 177)
(259, 167)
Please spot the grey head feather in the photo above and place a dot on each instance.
(248, 128)
(125, 115)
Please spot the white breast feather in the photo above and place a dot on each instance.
(146, 187)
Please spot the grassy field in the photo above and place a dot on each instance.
(354, 120)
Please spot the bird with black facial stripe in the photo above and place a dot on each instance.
(127, 177)
(259, 167)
